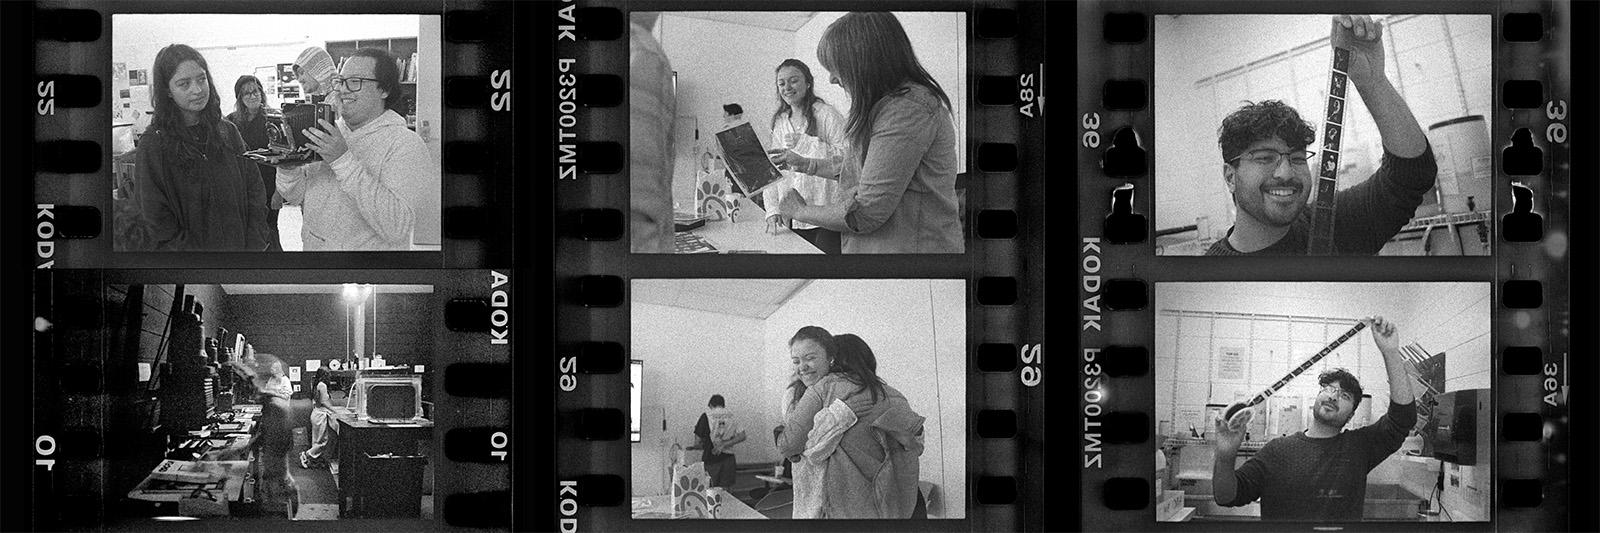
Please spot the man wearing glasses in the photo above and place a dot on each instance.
(1267, 168)
(1319, 474)
(377, 175)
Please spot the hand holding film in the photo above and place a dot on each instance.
(1230, 429)
(1363, 37)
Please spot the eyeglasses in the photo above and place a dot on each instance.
(1339, 393)
(1272, 158)
(350, 85)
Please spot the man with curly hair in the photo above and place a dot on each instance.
(1268, 170)
(1320, 474)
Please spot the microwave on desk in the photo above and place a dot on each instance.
(387, 399)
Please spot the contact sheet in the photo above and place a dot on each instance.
(728, 265)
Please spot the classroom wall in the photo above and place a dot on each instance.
(917, 330)
(1442, 317)
(1439, 63)
(935, 38)
(296, 327)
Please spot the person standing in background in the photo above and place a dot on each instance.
(324, 424)
(250, 117)
(717, 431)
(313, 68)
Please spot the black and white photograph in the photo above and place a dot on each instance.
(862, 118)
(273, 402)
(1352, 134)
(1323, 402)
(272, 133)
(799, 399)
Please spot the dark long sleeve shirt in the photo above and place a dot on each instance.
(1368, 214)
(1309, 479)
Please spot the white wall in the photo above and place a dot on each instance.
(1456, 322)
(916, 328)
(723, 63)
(734, 67)
(1442, 317)
(934, 36)
(690, 355)
(1440, 64)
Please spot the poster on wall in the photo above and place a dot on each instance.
(1230, 363)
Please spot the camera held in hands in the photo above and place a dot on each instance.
(287, 145)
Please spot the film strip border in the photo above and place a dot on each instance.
(74, 173)
(593, 265)
(78, 440)
(1530, 264)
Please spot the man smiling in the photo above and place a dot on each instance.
(1267, 168)
(1320, 474)
(377, 176)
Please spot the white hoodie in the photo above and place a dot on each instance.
(370, 197)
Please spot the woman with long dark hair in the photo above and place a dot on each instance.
(854, 440)
(195, 192)
(250, 117)
(900, 169)
(324, 423)
(810, 127)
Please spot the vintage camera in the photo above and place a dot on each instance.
(284, 128)
(287, 146)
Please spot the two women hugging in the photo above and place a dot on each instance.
(854, 441)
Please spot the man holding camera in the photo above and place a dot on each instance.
(375, 172)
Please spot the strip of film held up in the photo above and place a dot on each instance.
(1219, 131)
(176, 399)
(422, 187)
(656, 103)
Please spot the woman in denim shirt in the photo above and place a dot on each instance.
(900, 172)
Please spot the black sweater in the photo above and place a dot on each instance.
(1308, 479)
